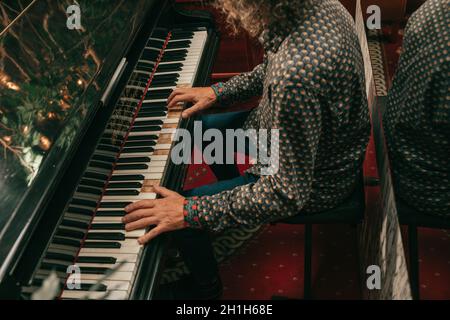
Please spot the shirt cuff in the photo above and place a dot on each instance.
(191, 213)
(219, 91)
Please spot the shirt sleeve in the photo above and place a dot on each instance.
(241, 87)
(276, 196)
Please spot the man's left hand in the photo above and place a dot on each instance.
(166, 214)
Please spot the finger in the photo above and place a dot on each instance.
(151, 235)
(140, 224)
(175, 93)
(164, 191)
(139, 205)
(136, 215)
(181, 98)
(196, 108)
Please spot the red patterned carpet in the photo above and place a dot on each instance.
(272, 264)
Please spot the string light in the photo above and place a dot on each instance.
(44, 143)
(25, 130)
(51, 115)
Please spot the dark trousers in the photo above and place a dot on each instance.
(195, 245)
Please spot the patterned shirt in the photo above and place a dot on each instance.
(313, 92)
(417, 119)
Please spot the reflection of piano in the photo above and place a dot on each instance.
(100, 134)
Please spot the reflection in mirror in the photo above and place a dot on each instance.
(417, 128)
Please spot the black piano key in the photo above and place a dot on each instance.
(54, 266)
(155, 44)
(145, 67)
(60, 256)
(66, 242)
(81, 211)
(165, 77)
(89, 190)
(92, 183)
(154, 105)
(179, 44)
(146, 128)
(117, 236)
(83, 202)
(148, 123)
(108, 148)
(88, 287)
(148, 55)
(158, 94)
(160, 84)
(144, 143)
(173, 57)
(94, 270)
(110, 213)
(99, 260)
(178, 34)
(108, 204)
(75, 224)
(146, 114)
(100, 157)
(142, 138)
(153, 109)
(108, 226)
(110, 142)
(62, 232)
(128, 177)
(160, 33)
(102, 245)
(138, 150)
(95, 175)
(154, 95)
(100, 165)
(170, 67)
(124, 185)
(134, 160)
(137, 166)
(121, 193)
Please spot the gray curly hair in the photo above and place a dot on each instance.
(255, 15)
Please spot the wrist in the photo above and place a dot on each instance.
(218, 89)
(191, 213)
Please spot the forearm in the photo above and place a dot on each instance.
(241, 87)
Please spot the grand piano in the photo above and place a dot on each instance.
(84, 130)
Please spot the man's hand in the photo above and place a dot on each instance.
(166, 214)
(202, 98)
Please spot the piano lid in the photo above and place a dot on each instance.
(51, 79)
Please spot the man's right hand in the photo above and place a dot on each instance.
(201, 98)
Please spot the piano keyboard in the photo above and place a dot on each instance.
(131, 156)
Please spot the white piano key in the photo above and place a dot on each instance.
(126, 267)
(163, 146)
(109, 252)
(120, 256)
(142, 196)
(111, 285)
(107, 219)
(109, 295)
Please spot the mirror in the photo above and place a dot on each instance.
(416, 123)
